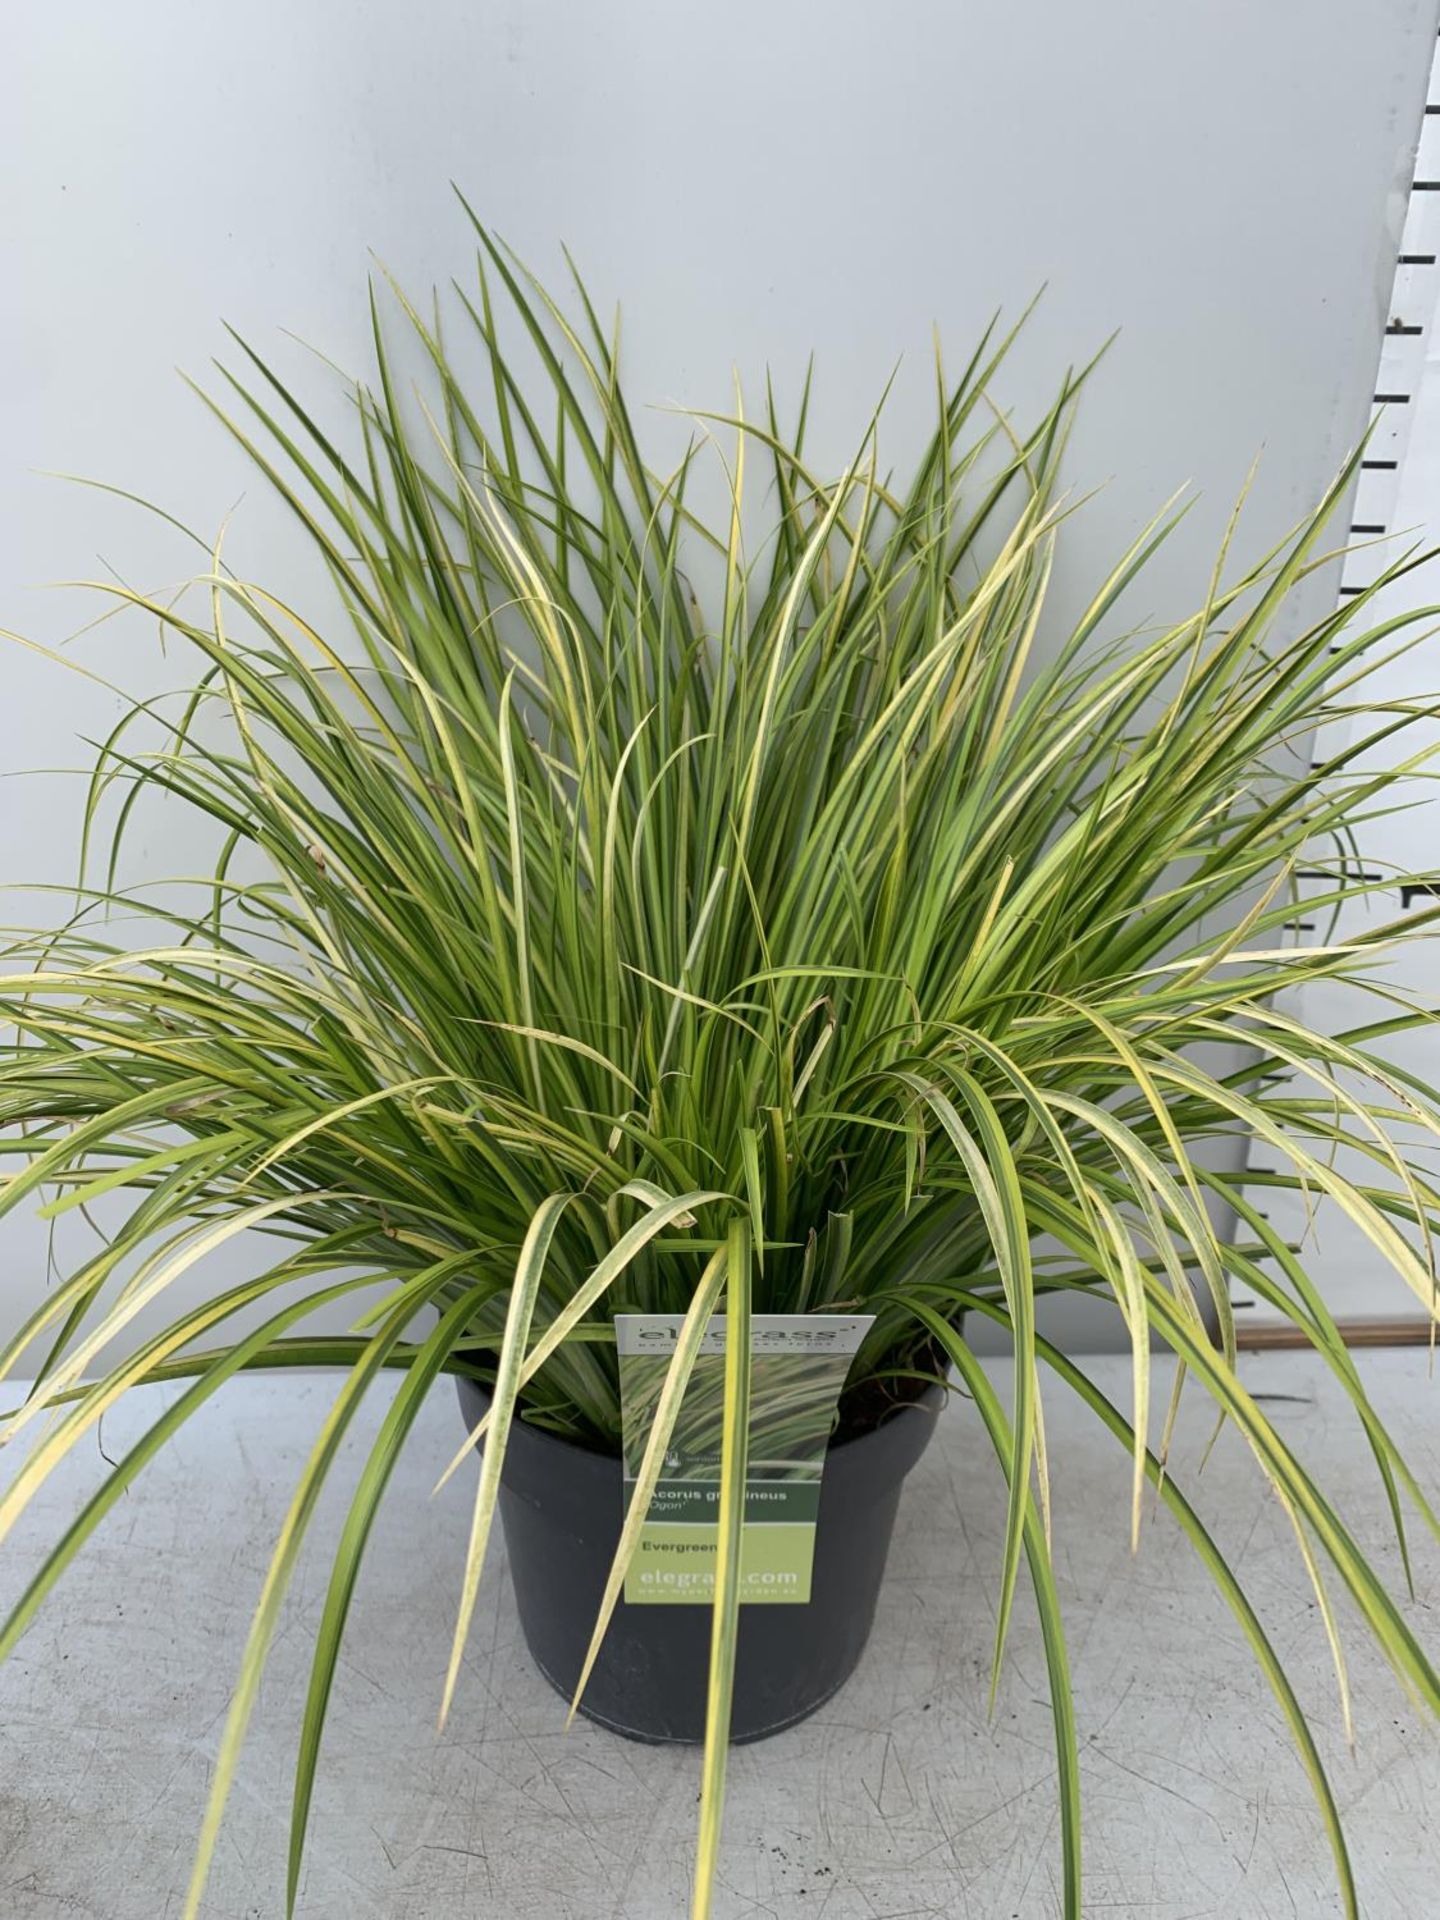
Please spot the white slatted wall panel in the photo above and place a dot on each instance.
(1398, 494)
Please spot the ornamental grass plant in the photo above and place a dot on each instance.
(612, 911)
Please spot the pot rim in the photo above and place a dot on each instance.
(929, 1401)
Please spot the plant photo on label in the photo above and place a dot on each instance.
(626, 905)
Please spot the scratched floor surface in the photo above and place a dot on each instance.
(898, 1799)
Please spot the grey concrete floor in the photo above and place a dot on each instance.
(898, 1799)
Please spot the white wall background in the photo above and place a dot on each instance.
(1223, 182)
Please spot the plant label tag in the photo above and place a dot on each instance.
(798, 1366)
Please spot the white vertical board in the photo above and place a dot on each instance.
(1396, 507)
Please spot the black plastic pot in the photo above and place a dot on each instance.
(560, 1505)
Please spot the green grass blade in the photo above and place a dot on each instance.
(725, 1610)
(1047, 1603)
(394, 1431)
(524, 1291)
(662, 1425)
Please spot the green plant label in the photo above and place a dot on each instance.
(798, 1366)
